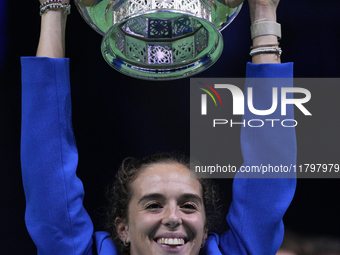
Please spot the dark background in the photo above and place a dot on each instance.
(115, 116)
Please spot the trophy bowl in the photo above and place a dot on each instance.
(159, 39)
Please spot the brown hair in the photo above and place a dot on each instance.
(119, 193)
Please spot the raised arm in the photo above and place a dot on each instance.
(255, 215)
(261, 10)
(55, 217)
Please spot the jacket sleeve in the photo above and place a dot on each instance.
(55, 216)
(255, 215)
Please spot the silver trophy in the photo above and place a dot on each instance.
(159, 39)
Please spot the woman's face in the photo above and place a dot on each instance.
(166, 212)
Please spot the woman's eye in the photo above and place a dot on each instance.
(189, 206)
(153, 206)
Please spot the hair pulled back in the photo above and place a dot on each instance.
(119, 192)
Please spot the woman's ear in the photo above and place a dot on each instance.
(206, 231)
(122, 229)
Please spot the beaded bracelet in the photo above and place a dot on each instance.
(55, 4)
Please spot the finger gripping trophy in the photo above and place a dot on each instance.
(159, 39)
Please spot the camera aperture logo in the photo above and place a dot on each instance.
(204, 98)
(238, 104)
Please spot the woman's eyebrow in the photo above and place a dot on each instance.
(191, 197)
(184, 197)
(152, 196)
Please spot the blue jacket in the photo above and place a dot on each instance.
(55, 217)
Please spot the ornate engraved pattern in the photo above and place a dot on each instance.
(178, 51)
(130, 7)
(201, 40)
(120, 42)
(159, 28)
(182, 52)
(192, 38)
(135, 26)
(159, 54)
(182, 26)
(163, 4)
(135, 49)
(136, 6)
(121, 12)
(192, 6)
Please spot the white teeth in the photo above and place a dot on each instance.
(171, 241)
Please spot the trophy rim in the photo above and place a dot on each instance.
(160, 72)
(89, 20)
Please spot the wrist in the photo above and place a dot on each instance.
(55, 13)
(52, 34)
(54, 20)
(265, 39)
(258, 12)
(266, 57)
(265, 33)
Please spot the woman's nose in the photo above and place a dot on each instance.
(172, 218)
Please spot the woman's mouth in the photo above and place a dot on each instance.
(171, 241)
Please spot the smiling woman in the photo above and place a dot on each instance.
(155, 207)
(158, 194)
(166, 205)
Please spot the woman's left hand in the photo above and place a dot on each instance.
(259, 9)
